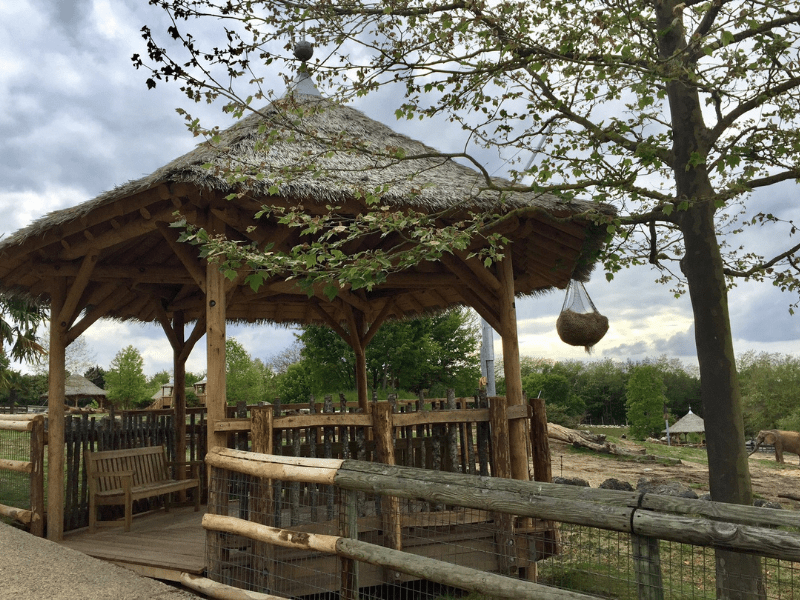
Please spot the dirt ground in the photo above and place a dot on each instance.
(767, 482)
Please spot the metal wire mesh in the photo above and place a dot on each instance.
(15, 487)
(588, 560)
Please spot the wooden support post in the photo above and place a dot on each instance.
(217, 505)
(357, 343)
(215, 343)
(179, 397)
(37, 476)
(501, 467)
(647, 564)
(263, 508)
(348, 528)
(546, 543)
(390, 505)
(540, 443)
(55, 405)
(508, 320)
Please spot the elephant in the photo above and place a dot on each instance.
(784, 441)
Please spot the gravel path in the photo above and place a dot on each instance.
(35, 568)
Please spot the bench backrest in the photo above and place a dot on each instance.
(149, 465)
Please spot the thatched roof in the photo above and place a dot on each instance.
(120, 246)
(77, 386)
(690, 423)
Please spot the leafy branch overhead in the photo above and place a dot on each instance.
(594, 78)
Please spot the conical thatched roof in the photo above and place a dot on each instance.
(121, 247)
(77, 386)
(690, 423)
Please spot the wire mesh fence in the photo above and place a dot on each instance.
(587, 560)
(22, 471)
(15, 487)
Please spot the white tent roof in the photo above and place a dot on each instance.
(690, 423)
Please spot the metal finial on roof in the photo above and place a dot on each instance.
(303, 50)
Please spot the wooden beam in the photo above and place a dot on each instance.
(480, 271)
(488, 312)
(97, 216)
(418, 280)
(185, 255)
(329, 320)
(388, 306)
(99, 311)
(115, 272)
(78, 286)
(468, 278)
(163, 319)
(134, 228)
(198, 331)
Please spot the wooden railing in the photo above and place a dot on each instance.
(647, 518)
(32, 516)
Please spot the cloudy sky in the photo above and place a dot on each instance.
(77, 120)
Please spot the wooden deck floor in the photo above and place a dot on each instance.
(161, 545)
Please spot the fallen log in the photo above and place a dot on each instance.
(570, 436)
(586, 439)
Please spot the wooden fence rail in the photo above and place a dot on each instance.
(34, 466)
(646, 517)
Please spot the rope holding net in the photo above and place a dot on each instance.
(580, 323)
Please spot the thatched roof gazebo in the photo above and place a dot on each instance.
(118, 256)
(689, 423)
(77, 387)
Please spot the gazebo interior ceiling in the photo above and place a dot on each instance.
(122, 258)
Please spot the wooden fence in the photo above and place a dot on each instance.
(448, 434)
(647, 518)
(32, 516)
(463, 435)
(115, 431)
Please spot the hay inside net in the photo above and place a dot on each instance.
(580, 324)
(581, 329)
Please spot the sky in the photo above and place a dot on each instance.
(77, 119)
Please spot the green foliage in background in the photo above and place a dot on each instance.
(125, 379)
(645, 401)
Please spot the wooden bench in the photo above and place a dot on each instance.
(118, 477)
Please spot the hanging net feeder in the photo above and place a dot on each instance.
(580, 324)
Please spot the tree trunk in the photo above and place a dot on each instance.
(738, 575)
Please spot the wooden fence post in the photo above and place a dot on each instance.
(348, 527)
(501, 467)
(647, 564)
(37, 476)
(217, 505)
(263, 505)
(540, 444)
(383, 429)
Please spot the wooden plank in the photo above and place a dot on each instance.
(233, 425)
(323, 420)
